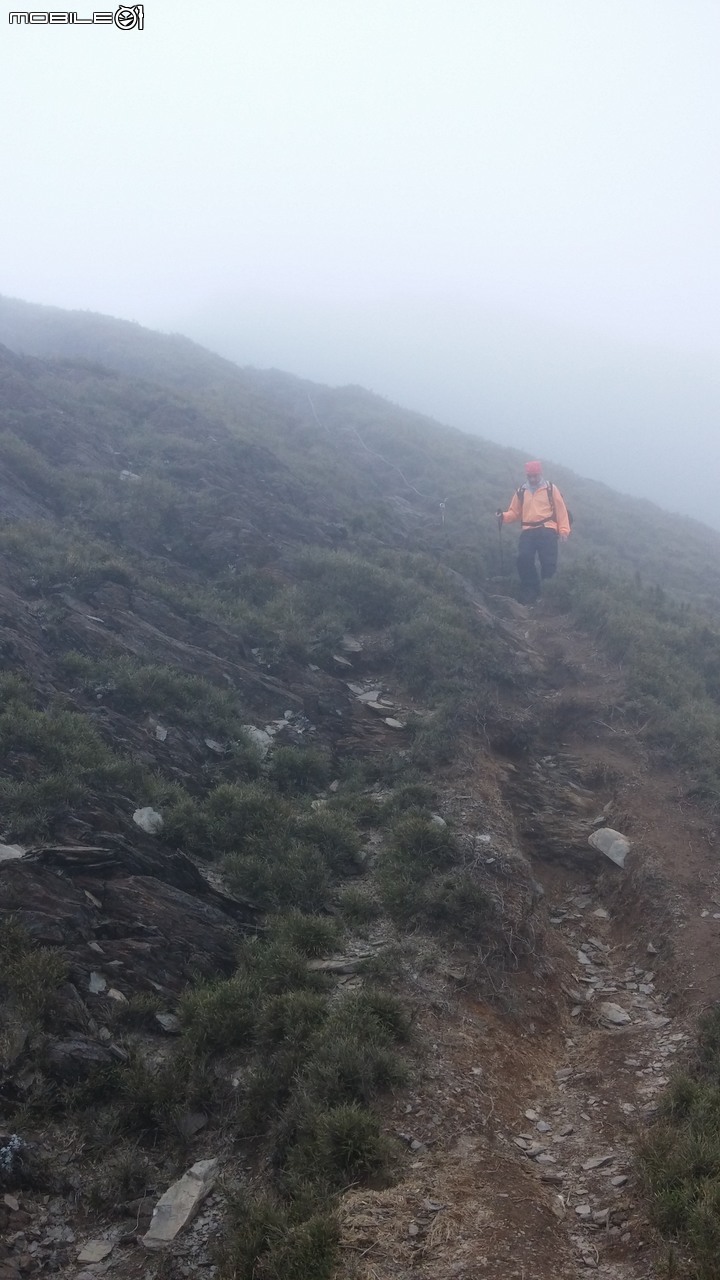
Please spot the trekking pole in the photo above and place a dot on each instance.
(500, 542)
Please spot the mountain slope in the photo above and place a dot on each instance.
(365, 453)
(296, 803)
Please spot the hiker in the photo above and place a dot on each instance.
(540, 506)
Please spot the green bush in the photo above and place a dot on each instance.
(291, 1019)
(186, 824)
(372, 1014)
(671, 663)
(51, 555)
(239, 814)
(138, 1013)
(233, 816)
(55, 759)
(220, 1015)
(311, 935)
(29, 975)
(338, 1146)
(360, 808)
(299, 768)
(420, 845)
(266, 1242)
(360, 593)
(285, 874)
(124, 1174)
(459, 906)
(151, 1099)
(347, 1068)
(357, 907)
(679, 1161)
(418, 796)
(278, 967)
(435, 738)
(136, 687)
(336, 838)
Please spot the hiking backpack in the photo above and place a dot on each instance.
(520, 493)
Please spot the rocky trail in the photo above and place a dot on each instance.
(526, 1140)
(522, 1123)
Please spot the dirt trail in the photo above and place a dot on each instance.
(526, 1129)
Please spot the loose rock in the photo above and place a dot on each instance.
(180, 1203)
(597, 1162)
(95, 1250)
(149, 820)
(614, 845)
(614, 1014)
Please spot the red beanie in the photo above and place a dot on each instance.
(533, 468)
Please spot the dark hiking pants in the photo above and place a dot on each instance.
(540, 543)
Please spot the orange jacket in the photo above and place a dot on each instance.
(539, 509)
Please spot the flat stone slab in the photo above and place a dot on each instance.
(614, 1014)
(180, 1203)
(597, 1162)
(613, 844)
(8, 852)
(95, 1250)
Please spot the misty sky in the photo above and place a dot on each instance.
(500, 212)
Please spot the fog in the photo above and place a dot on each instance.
(502, 213)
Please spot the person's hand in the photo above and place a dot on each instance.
(500, 515)
(564, 537)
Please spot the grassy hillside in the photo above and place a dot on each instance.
(383, 468)
(188, 553)
(174, 576)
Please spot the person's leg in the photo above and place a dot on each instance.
(527, 572)
(547, 547)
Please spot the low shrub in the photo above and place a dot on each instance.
(219, 1015)
(419, 796)
(29, 975)
(372, 1014)
(338, 1146)
(679, 1162)
(266, 1241)
(419, 845)
(299, 768)
(137, 687)
(348, 1068)
(278, 967)
(122, 1175)
(291, 1019)
(281, 876)
(311, 935)
(335, 836)
(238, 814)
(357, 907)
(233, 816)
(360, 593)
